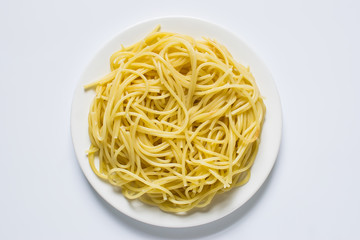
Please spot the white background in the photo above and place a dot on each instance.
(312, 49)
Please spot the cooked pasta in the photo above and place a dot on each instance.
(175, 122)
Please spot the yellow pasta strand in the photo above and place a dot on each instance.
(175, 122)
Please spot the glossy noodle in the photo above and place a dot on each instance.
(175, 122)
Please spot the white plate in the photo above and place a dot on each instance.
(223, 204)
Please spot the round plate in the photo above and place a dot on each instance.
(222, 204)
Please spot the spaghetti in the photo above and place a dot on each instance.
(175, 122)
